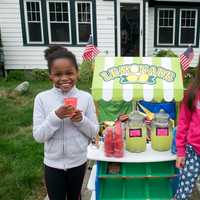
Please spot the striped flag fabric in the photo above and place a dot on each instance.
(186, 58)
(90, 51)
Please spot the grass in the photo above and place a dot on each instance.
(21, 158)
(21, 166)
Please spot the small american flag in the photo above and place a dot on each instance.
(90, 51)
(186, 58)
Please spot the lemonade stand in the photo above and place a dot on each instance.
(147, 174)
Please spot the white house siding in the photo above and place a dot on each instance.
(18, 56)
(146, 27)
(150, 44)
(178, 1)
(105, 27)
(150, 32)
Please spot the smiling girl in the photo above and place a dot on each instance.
(65, 130)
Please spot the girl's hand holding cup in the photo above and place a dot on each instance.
(77, 116)
(68, 109)
(65, 111)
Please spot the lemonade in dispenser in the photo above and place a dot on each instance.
(135, 133)
(161, 132)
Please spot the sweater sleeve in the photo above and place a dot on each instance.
(89, 124)
(183, 126)
(44, 127)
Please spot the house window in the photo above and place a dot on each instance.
(67, 22)
(166, 26)
(83, 21)
(177, 27)
(59, 22)
(188, 26)
(33, 22)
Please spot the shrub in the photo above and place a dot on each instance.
(28, 75)
(19, 75)
(164, 53)
(86, 72)
(40, 74)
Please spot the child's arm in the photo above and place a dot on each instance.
(89, 124)
(182, 129)
(44, 127)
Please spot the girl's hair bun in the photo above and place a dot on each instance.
(52, 49)
(54, 52)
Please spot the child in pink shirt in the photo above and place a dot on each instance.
(188, 140)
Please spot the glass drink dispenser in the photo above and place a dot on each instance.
(161, 132)
(135, 133)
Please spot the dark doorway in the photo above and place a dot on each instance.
(130, 29)
(2, 69)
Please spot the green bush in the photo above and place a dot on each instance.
(86, 72)
(40, 74)
(28, 75)
(164, 53)
(19, 75)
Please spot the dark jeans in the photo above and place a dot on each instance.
(61, 183)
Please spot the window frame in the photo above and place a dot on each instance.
(177, 25)
(49, 22)
(44, 23)
(158, 27)
(26, 22)
(77, 22)
(195, 26)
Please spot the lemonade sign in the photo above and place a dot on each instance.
(137, 74)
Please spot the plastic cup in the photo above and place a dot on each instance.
(71, 101)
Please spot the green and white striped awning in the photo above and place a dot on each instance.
(134, 78)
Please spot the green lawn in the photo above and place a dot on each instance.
(20, 156)
(21, 166)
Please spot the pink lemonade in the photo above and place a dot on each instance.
(71, 101)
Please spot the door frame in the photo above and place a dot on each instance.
(118, 45)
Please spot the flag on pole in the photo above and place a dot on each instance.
(90, 51)
(186, 58)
